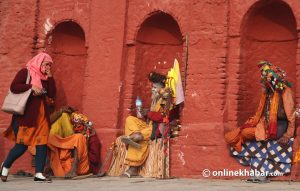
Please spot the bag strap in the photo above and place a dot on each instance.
(28, 77)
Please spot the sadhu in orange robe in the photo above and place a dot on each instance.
(258, 128)
(62, 141)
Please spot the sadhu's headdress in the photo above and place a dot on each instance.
(81, 124)
(273, 76)
(155, 77)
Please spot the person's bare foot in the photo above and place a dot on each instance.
(48, 171)
(100, 174)
(70, 174)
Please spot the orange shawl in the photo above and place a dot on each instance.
(272, 126)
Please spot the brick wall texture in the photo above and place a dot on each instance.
(103, 51)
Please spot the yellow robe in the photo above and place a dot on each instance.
(62, 126)
(136, 157)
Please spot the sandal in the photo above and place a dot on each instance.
(264, 181)
(257, 180)
(130, 142)
(126, 174)
(252, 180)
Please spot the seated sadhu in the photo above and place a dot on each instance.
(138, 129)
(275, 116)
(73, 143)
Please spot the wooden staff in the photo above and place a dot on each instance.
(186, 61)
(167, 103)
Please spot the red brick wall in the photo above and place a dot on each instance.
(221, 58)
(244, 53)
(17, 30)
(67, 48)
(260, 41)
(159, 41)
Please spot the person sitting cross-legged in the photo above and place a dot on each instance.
(138, 130)
(264, 141)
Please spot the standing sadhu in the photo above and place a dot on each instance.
(273, 123)
(32, 128)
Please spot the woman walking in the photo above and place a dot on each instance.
(31, 128)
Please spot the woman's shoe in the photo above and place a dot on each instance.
(42, 180)
(3, 178)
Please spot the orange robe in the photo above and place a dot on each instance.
(61, 154)
(257, 129)
(31, 136)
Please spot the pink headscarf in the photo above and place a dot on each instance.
(34, 66)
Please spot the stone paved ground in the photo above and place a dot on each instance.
(143, 184)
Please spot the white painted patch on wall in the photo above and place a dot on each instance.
(120, 86)
(181, 157)
(194, 94)
(50, 39)
(78, 7)
(47, 26)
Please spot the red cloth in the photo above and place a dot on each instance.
(158, 117)
(94, 154)
(31, 112)
(155, 116)
(246, 125)
(273, 130)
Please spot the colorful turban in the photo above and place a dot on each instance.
(80, 122)
(273, 76)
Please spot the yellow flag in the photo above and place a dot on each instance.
(174, 82)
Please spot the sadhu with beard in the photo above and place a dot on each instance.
(138, 130)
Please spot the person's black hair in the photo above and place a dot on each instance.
(155, 77)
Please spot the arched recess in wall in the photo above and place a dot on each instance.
(268, 32)
(67, 47)
(158, 43)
